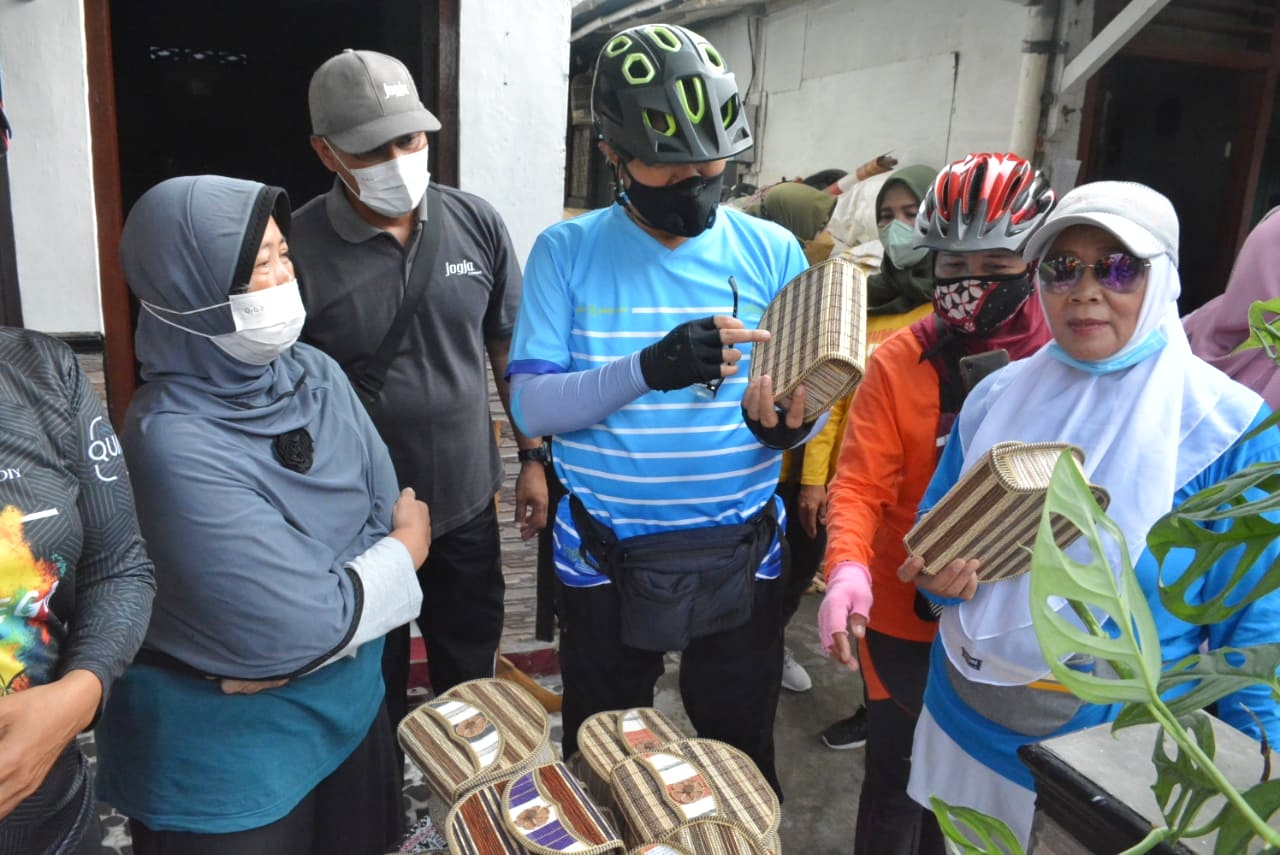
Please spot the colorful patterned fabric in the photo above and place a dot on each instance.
(541, 811)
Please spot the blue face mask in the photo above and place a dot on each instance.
(898, 238)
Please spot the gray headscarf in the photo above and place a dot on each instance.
(250, 555)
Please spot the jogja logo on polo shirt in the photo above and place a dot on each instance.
(465, 267)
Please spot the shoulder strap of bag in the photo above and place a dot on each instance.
(368, 383)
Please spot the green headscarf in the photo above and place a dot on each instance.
(799, 208)
(893, 291)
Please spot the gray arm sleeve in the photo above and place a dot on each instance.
(546, 404)
(391, 594)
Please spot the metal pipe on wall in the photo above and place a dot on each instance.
(1037, 48)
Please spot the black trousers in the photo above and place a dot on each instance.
(890, 822)
(729, 682)
(354, 811)
(462, 612)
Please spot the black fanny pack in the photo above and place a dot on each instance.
(676, 586)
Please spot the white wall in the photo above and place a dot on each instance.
(841, 82)
(514, 94)
(42, 58)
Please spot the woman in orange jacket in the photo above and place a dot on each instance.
(975, 218)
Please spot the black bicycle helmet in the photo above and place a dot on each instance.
(664, 94)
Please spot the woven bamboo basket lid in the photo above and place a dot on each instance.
(542, 811)
(478, 732)
(692, 779)
(993, 512)
(818, 323)
(704, 837)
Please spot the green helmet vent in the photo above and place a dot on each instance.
(728, 111)
(691, 90)
(617, 46)
(712, 56)
(664, 38)
(663, 123)
(637, 69)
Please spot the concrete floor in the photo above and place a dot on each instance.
(820, 786)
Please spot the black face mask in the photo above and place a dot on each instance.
(978, 305)
(686, 209)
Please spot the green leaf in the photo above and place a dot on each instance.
(1262, 332)
(1234, 831)
(1182, 788)
(1214, 674)
(971, 831)
(1091, 588)
(1234, 500)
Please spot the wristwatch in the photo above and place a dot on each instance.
(541, 454)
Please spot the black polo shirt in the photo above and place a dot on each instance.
(433, 411)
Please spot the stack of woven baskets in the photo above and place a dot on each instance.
(637, 785)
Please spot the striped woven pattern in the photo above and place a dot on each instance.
(660, 792)
(607, 738)
(476, 733)
(704, 837)
(819, 322)
(541, 811)
(993, 512)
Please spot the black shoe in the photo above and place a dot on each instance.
(848, 732)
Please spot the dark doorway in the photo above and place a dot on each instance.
(1177, 127)
(181, 89)
(222, 87)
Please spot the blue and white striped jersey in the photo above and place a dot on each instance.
(598, 288)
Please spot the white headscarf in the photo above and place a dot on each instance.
(1149, 419)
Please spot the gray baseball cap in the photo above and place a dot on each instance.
(1142, 218)
(361, 99)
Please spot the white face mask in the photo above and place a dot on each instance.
(268, 322)
(897, 238)
(395, 187)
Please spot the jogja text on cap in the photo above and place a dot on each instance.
(362, 99)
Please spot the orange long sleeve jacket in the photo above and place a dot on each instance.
(887, 456)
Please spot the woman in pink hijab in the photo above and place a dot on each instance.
(1221, 325)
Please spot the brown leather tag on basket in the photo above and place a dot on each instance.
(818, 323)
(993, 512)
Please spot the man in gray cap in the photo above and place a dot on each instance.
(379, 239)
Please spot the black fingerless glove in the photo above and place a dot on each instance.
(690, 353)
(779, 436)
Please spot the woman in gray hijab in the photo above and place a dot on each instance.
(252, 720)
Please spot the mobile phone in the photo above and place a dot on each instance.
(978, 365)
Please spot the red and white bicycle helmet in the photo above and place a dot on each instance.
(985, 201)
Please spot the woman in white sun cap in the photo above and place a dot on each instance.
(1156, 425)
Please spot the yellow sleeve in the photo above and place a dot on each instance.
(821, 452)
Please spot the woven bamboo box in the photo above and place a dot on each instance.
(818, 323)
(659, 792)
(704, 837)
(542, 810)
(476, 733)
(607, 738)
(993, 512)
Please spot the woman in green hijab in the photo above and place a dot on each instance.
(905, 280)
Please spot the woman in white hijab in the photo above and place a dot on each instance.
(1156, 424)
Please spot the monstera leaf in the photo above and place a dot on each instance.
(1091, 589)
(974, 832)
(1241, 501)
(1264, 328)
(1211, 675)
(1182, 788)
